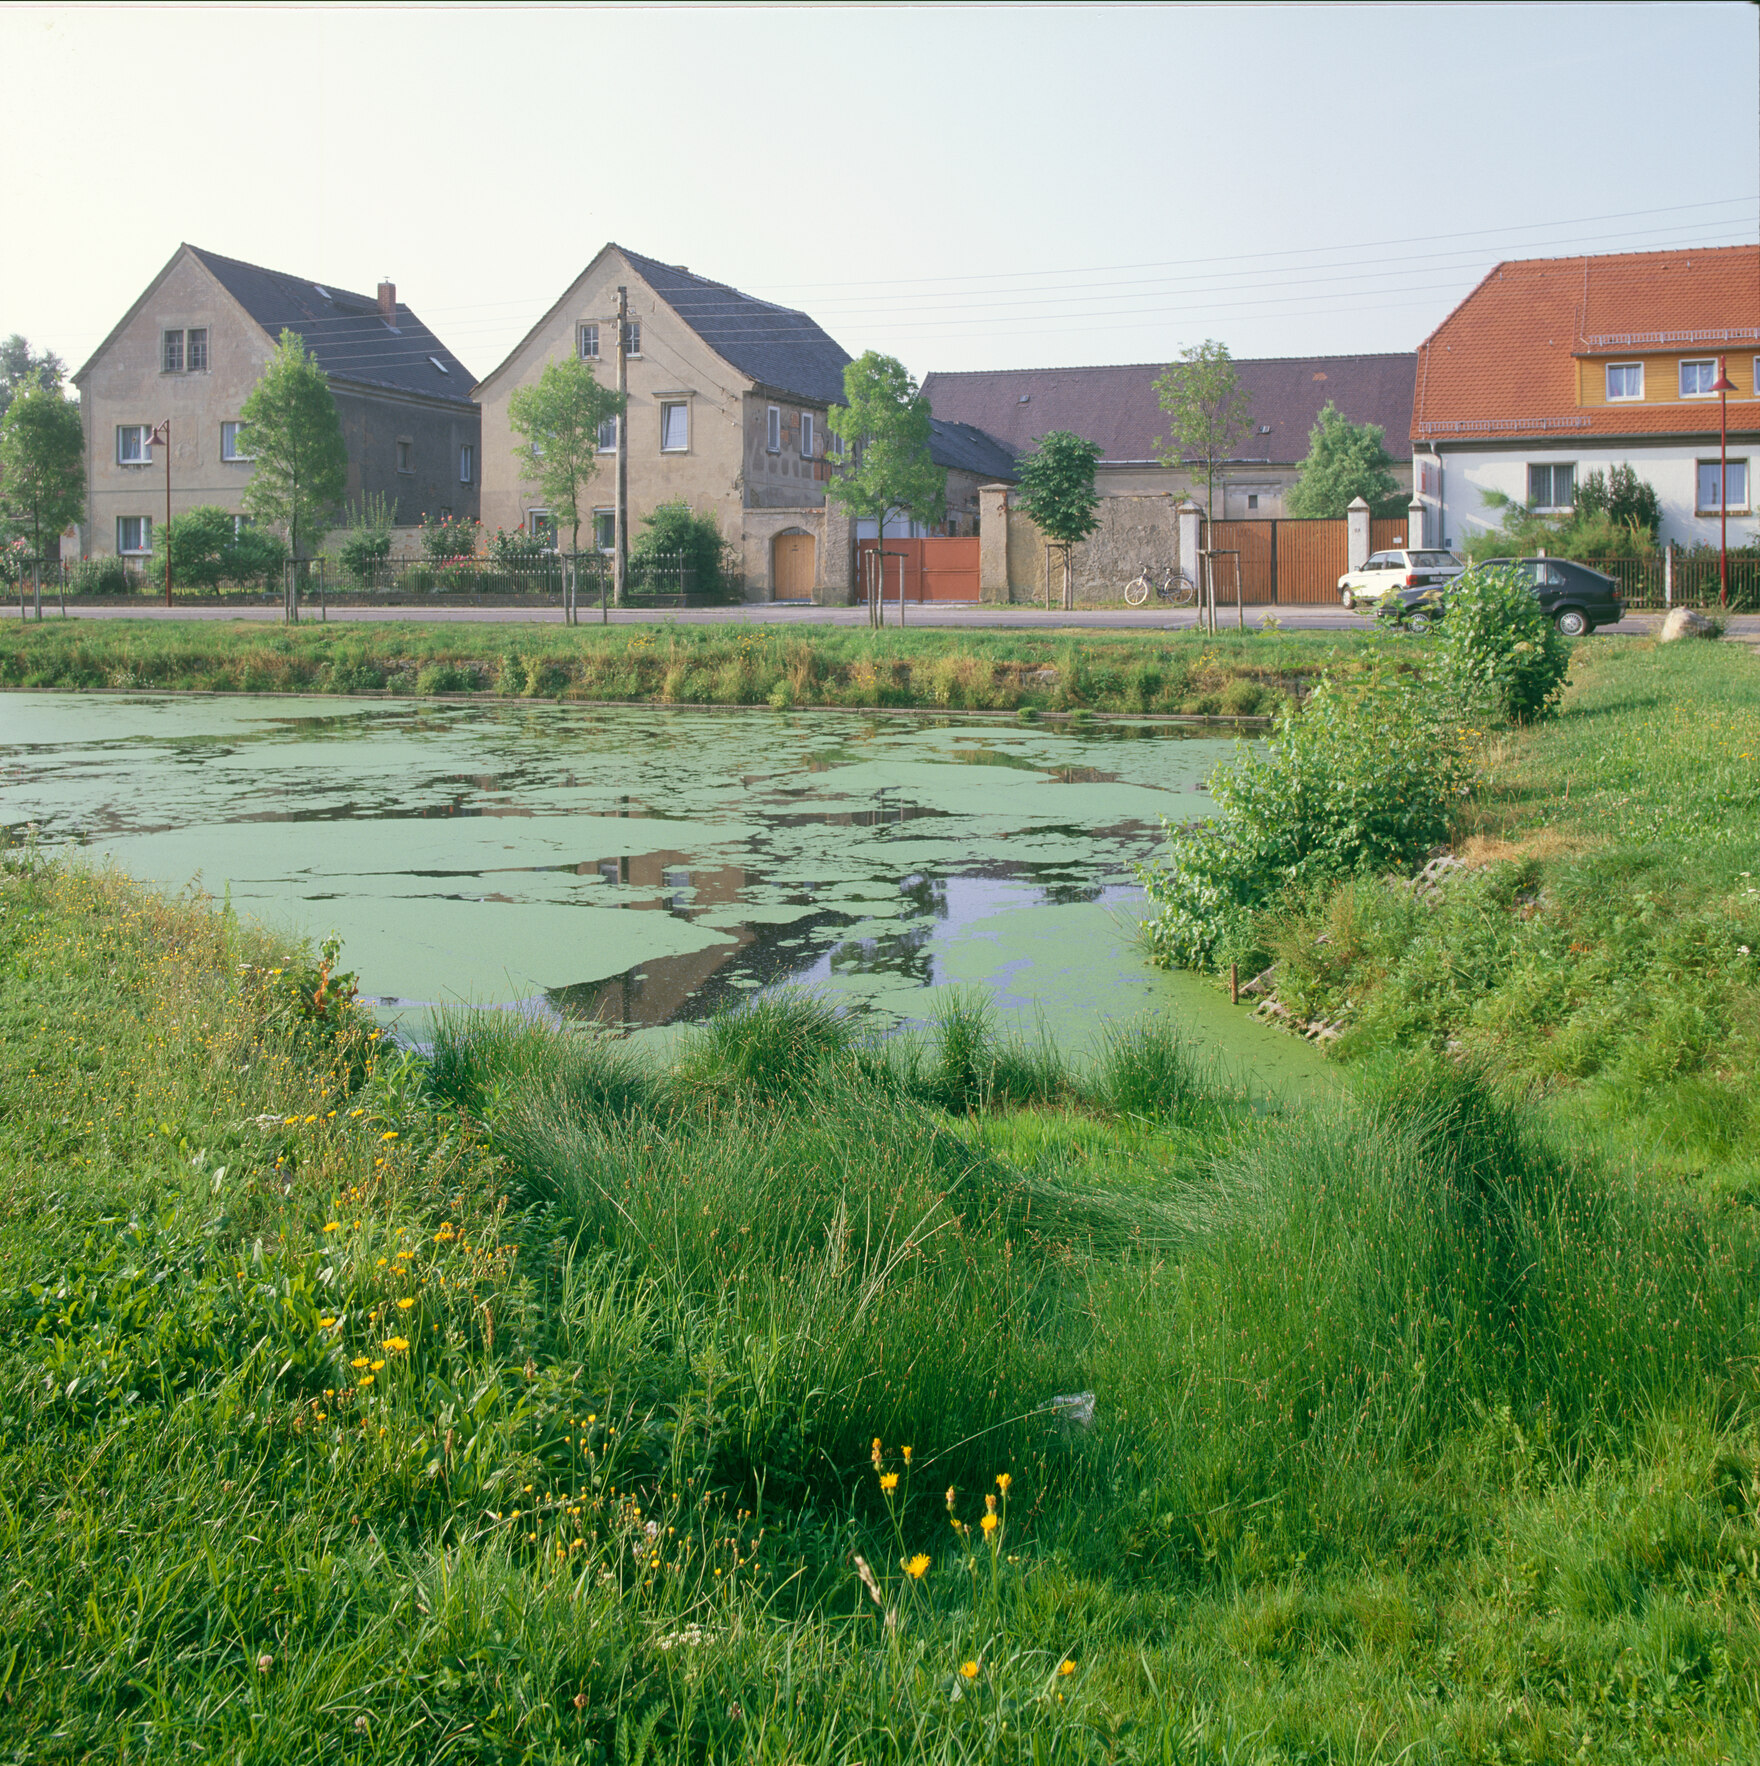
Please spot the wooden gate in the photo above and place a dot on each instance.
(1296, 563)
(933, 570)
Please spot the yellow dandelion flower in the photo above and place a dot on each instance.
(405, 1304)
(969, 1670)
(989, 1524)
(907, 1454)
(324, 1324)
(333, 1226)
(889, 1481)
(390, 1134)
(1003, 1481)
(359, 1361)
(377, 1365)
(366, 1379)
(1066, 1667)
(916, 1567)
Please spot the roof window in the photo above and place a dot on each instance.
(440, 364)
(324, 291)
(1023, 398)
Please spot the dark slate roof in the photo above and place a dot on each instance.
(1117, 407)
(344, 331)
(778, 347)
(965, 449)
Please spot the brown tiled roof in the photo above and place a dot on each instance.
(1503, 362)
(1117, 407)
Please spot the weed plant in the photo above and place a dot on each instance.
(800, 1397)
(1234, 674)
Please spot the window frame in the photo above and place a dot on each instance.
(166, 365)
(667, 406)
(145, 530)
(772, 429)
(600, 444)
(632, 338)
(406, 456)
(467, 462)
(1551, 468)
(1623, 398)
(143, 432)
(1701, 467)
(1696, 362)
(584, 333)
(608, 544)
(541, 524)
(232, 457)
(807, 436)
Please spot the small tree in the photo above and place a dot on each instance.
(1625, 498)
(558, 420)
(42, 464)
(364, 552)
(1345, 460)
(290, 427)
(1057, 491)
(885, 425)
(197, 543)
(1208, 412)
(21, 365)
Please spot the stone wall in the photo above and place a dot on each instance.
(1133, 531)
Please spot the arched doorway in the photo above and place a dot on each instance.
(793, 562)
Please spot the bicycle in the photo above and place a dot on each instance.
(1175, 586)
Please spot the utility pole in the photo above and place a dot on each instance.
(620, 514)
(163, 434)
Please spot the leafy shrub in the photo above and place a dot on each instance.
(451, 537)
(674, 536)
(510, 550)
(364, 553)
(255, 557)
(1364, 776)
(99, 576)
(198, 541)
(1500, 657)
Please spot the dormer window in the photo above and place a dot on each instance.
(1625, 380)
(1698, 378)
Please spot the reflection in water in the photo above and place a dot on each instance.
(637, 867)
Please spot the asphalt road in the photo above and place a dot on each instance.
(946, 618)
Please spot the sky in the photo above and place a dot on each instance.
(962, 187)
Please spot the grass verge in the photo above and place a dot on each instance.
(531, 1402)
(1236, 675)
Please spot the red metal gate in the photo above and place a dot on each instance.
(932, 570)
(1296, 563)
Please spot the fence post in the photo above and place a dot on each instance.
(1191, 540)
(1356, 534)
(1668, 574)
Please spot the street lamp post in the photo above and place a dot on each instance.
(1723, 387)
(162, 435)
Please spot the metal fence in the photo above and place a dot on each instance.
(1682, 579)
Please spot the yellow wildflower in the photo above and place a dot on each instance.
(405, 1303)
(907, 1454)
(377, 1365)
(969, 1670)
(889, 1481)
(989, 1524)
(324, 1324)
(390, 1134)
(917, 1566)
(333, 1226)
(1003, 1481)
(1066, 1667)
(950, 1499)
(359, 1361)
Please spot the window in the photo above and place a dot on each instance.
(1552, 487)
(1625, 380)
(806, 435)
(675, 427)
(632, 337)
(1697, 378)
(134, 534)
(835, 447)
(171, 352)
(229, 443)
(134, 444)
(773, 433)
(1737, 488)
(198, 351)
(586, 339)
(406, 454)
(608, 436)
(445, 512)
(467, 463)
(541, 527)
(440, 364)
(1252, 500)
(605, 529)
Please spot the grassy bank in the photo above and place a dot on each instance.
(1602, 941)
(1232, 675)
(533, 1403)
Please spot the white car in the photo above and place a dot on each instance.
(1386, 571)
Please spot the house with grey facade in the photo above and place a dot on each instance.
(191, 348)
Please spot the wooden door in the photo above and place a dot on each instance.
(792, 562)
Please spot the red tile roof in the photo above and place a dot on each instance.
(1117, 406)
(1503, 362)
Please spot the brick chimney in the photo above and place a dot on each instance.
(388, 302)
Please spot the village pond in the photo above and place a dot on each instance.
(642, 867)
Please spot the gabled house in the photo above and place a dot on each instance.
(191, 348)
(1556, 367)
(1117, 407)
(727, 403)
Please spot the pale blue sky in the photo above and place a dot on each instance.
(963, 187)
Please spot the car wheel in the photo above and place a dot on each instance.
(1418, 620)
(1347, 600)
(1572, 622)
